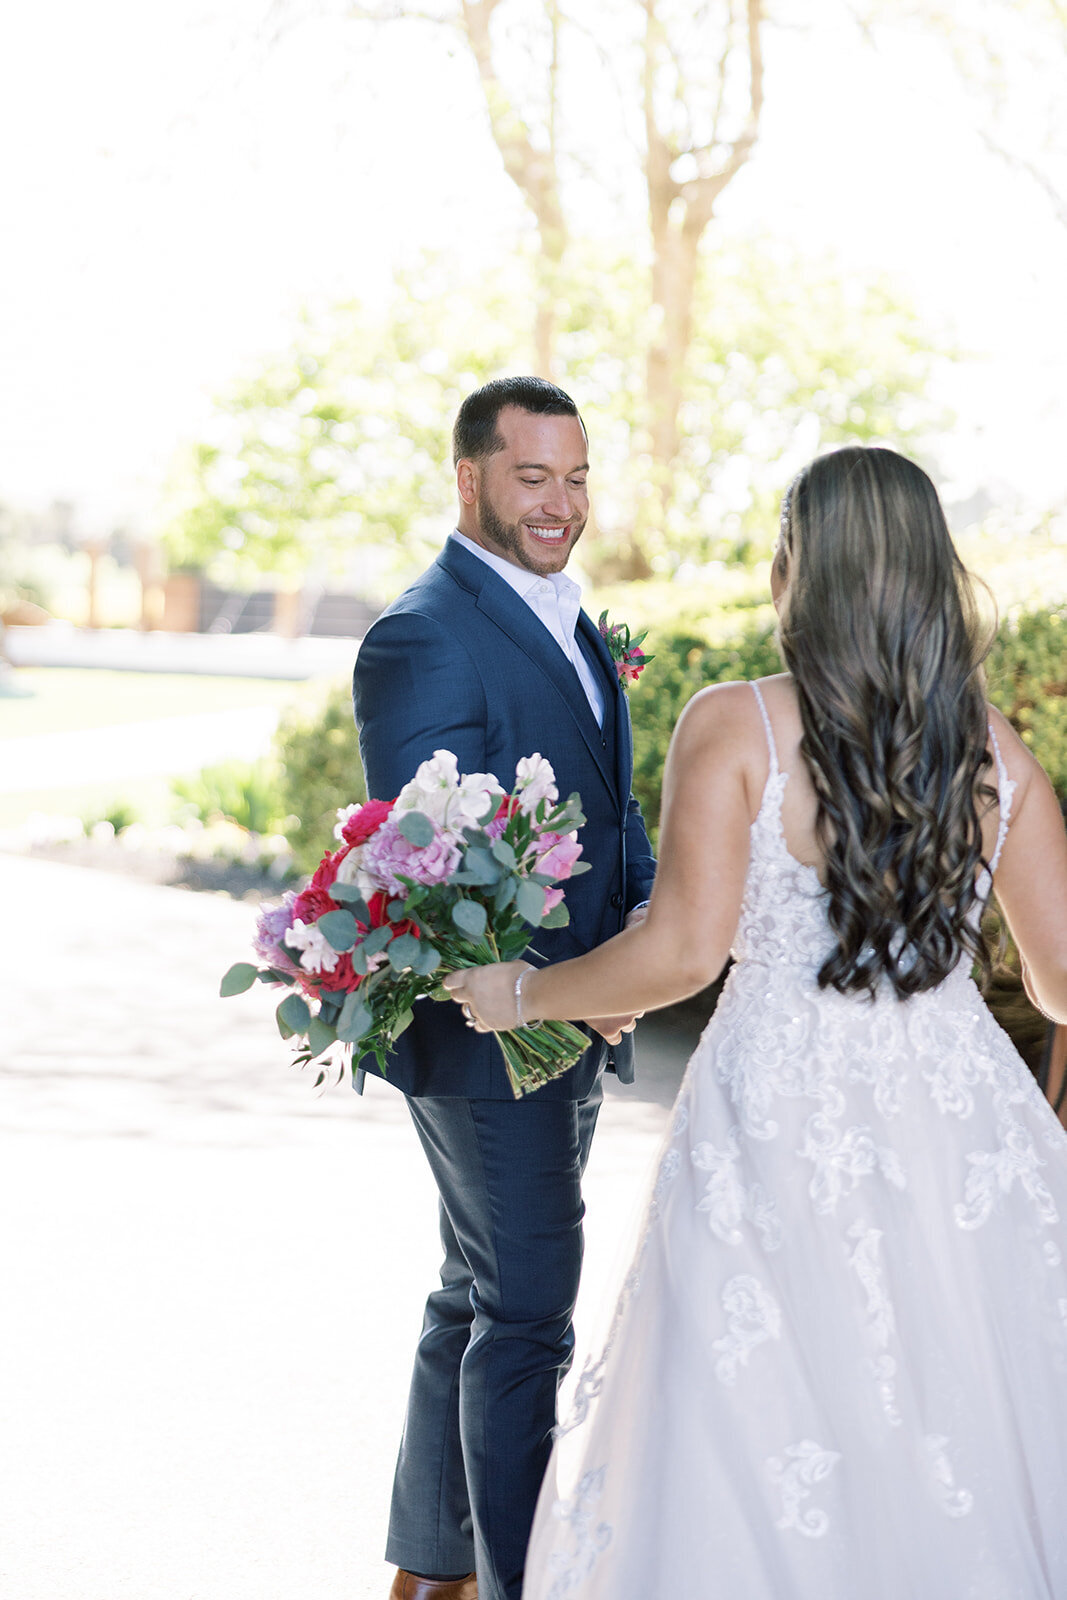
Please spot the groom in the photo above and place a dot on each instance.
(488, 655)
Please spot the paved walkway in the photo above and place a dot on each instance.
(212, 1276)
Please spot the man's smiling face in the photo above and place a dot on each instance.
(530, 498)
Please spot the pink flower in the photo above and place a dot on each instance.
(388, 855)
(557, 861)
(364, 820)
(272, 925)
(630, 668)
(552, 899)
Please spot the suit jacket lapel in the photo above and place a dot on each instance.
(614, 700)
(498, 601)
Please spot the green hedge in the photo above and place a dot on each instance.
(683, 664)
(318, 760)
(1027, 680)
(1026, 674)
(318, 755)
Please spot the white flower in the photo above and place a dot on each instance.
(343, 814)
(348, 870)
(316, 952)
(438, 791)
(535, 781)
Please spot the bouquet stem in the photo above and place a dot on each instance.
(534, 1056)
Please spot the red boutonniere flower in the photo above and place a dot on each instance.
(630, 660)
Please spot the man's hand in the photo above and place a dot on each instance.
(613, 1028)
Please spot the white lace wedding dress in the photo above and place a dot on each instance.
(838, 1366)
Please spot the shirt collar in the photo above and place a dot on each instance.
(523, 582)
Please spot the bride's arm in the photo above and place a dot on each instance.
(1031, 880)
(683, 942)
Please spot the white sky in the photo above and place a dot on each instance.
(173, 190)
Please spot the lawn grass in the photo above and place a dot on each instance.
(64, 698)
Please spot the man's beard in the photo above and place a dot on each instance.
(507, 536)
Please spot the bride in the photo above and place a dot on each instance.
(838, 1365)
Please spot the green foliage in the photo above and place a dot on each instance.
(245, 792)
(318, 759)
(1026, 671)
(1027, 680)
(119, 814)
(343, 441)
(685, 663)
(788, 356)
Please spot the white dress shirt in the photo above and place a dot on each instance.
(555, 601)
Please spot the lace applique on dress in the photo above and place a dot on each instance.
(795, 1474)
(954, 1501)
(752, 1317)
(728, 1202)
(589, 1538)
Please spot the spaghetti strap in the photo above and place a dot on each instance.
(1005, 795)
(771, 746)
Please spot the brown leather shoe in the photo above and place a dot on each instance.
(407, 1587)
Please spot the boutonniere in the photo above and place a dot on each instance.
(630, 660)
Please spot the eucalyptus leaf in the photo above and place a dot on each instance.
(503, 853)
(481, 865)
(355, 1020)
(320, 1036)
(428, 959)
(396, 911)
(558, 917)
(416, 828)
(349, 896)
(530, 901)
(339, 929)
(470, 918)
(241, 976)
(376, 942)
(404, 952)
(505, 893)
(359, 960)
(295, 1014)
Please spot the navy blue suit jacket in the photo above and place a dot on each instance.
(461, 663)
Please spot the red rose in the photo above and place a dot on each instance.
(344, 975)
(367, 820)
(326, 871)
(312, 903)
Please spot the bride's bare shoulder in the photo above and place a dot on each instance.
(723, 724)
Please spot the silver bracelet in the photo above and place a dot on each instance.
(522, 1021)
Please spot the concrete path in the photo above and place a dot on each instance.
(212, 1276)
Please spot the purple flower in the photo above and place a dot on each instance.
(273, 924)
(387, 855)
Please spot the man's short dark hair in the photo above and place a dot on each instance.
(475, 433)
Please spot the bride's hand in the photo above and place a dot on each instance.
(487, 995)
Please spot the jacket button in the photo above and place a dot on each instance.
(616, 900)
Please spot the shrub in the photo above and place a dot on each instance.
(243, 792)
(1027, 680)
(319, 769)
(685, 663)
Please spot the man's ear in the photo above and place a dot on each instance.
(467, 481)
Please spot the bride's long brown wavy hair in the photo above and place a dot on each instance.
(880, 631)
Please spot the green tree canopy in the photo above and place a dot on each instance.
(342, 443)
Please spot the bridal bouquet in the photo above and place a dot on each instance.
(453, 873)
